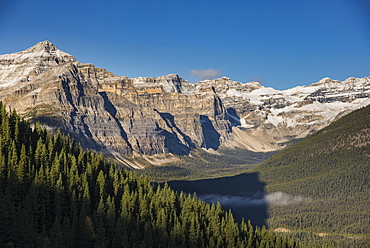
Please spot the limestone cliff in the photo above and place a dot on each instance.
(113, 114)
(122, 116)
(263, 118)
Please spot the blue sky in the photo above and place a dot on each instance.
(280, 43)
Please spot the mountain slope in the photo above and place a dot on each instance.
(263, 117)
(54, 194)
(331, 169)
(123, 116)
(109, 113)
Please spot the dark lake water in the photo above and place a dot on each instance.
(244, 194)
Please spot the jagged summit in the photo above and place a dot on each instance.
(25, 65)
(323, 81)
(43, 45)
(42, 51)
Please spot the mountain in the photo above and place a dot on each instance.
(277, 116)
(124, 116)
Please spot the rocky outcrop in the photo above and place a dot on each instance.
(113, 114)
(122, 116)
(272, 117)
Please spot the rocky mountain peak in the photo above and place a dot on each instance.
(25, 65)
(41, 52)
(43, 46)
(226, 86)
(325, 82)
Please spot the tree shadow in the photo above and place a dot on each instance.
(243, 194)
(210, 134)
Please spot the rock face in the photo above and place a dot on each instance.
(122, 116)
(114, 114)
(264, 118)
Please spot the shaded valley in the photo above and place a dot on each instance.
(244, 194)
(316, 190)
(201, 164)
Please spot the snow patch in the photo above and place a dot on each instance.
(265, 91)
(274, 120)
(235, 93)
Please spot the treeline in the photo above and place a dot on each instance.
(54, 194)
(204, 165)
(331, 170)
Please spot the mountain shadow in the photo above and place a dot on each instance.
(233, 117)
(173, 142)
(243, 194)
(210, 134)
(111, 109)
(83, 136)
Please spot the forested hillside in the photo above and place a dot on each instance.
(331, 171)
(54, 194)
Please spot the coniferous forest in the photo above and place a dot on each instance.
(55, 194)
(325, 178)
(330, 168)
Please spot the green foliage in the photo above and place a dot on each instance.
(54, 194)
(331, 168)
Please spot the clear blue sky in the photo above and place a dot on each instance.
(283, 43)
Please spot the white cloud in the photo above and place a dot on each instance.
(282, 199)
(275, 198)
(204, 74)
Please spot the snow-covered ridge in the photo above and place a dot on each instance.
(41, 50)
(314, 105)
(22, 65)
(276, 116)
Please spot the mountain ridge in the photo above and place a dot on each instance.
(124, 116)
